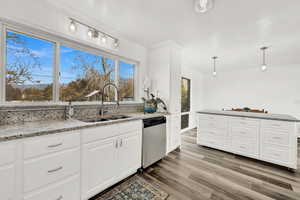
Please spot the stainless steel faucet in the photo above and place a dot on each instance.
(103, 96)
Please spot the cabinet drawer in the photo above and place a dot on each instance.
(247, 148)
(7, 182)
(7, 153)
(244, 122)
(210, 124)
(212, 133)
(277, 125)
(212, 142)
(128, 127)
(66, 190)
(276, 154)
(211, 117)
(244, 132)
(276, 138)
(99, 133)
(49, 144)
(48, 169)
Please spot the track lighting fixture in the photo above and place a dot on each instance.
(94, 33)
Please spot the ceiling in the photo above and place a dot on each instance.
(234, 30)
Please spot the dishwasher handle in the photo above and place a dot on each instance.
(154, 121)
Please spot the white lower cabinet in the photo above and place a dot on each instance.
(105, 161)
(7, 171)
(98, 165)
(268, 140)
(7, 182)
(66, 190)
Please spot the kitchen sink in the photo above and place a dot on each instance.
(106, 118)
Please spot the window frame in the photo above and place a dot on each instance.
(58, 41)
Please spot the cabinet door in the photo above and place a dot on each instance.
(98, 166)
(129, 154)
(7, 180)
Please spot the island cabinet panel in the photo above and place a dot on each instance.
(273, 141)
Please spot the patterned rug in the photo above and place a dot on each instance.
(135, 188)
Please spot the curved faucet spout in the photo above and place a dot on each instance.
(103, 95)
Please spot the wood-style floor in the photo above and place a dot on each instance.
(198, 172)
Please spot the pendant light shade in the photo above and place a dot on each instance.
(264, 65)
(214, 67)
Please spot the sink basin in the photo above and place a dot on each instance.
(106, 118)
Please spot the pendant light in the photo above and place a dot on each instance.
(264, 65)
(215, 68)
(202, 6)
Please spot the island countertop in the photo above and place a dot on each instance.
(267, 116)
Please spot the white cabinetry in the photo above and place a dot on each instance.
(165, 73)
(107, 160)
(267, 140)
(7, 171)
(48, 162)
(72, 165)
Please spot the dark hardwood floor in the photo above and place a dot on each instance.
(198, 172)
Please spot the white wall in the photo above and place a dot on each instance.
(42, 15)
(276, 90)
(197, 90)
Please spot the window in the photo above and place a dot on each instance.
(39, 69)
(126, 81)
(29, 68)
(185, 102)
(82, 73)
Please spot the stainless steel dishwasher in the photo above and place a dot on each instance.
(154, 140)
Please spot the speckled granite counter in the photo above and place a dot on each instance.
(266, 116)
(32, 129)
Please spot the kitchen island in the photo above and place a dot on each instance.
(267, 137)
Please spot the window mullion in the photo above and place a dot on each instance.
(2, 62)
(56, 72)
(117, 77)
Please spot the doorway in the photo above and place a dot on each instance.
(185, 102)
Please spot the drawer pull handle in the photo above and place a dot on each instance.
(276, 138)
(276, 125)
(60, 197)
(55, 170)
(55, 145)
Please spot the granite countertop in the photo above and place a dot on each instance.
(32, 129)
(267, 116)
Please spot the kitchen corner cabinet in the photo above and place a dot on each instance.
(165, 72)
(105, 161)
